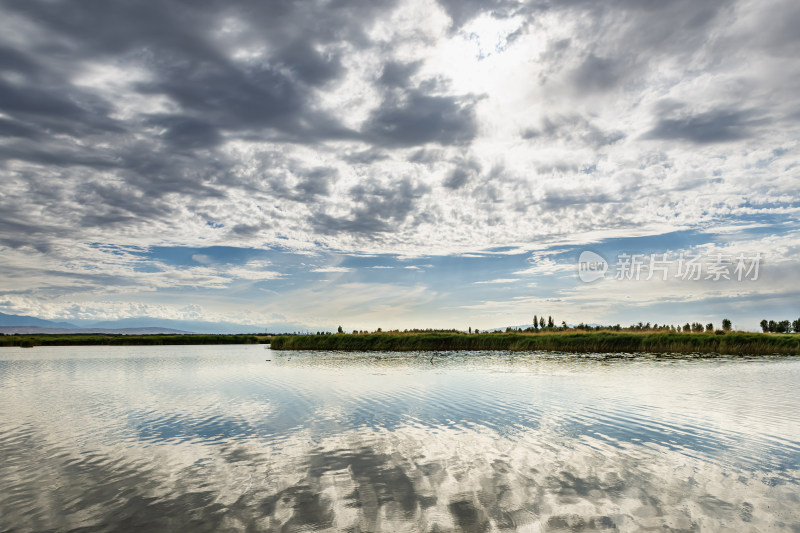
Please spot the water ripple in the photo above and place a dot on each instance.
(216, 438)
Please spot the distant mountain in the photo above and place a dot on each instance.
(195, 326)
(37, 330)
(163, 325)
(22, 320)
(187, 325)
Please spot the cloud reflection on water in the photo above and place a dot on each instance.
(217, 438)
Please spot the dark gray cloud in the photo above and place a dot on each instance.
(365, 157)
(316, 182)
(599, 74)
(462, 11)
(11, 128)
(574, 129)
(465, 171)
(174, 42)
(616, 42)
(410, 115)
(457, 179)
(720, 125)
(281, 178)
(127, 167)
(397, 74)
(377, 208)
(426, 156)
(241, 100)
(187, 132)
(779, 29)
(43, 105)
(127, 115)
(418, 119)
(249, 230)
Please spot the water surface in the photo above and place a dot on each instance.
(241, 438)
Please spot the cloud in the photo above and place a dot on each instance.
(203, 259)
(598, 73)
(375, 206)
(418, 119)
(710, 127)
(389, 127)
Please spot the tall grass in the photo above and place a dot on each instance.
(125, 340)
(594, 342)
(580, 342)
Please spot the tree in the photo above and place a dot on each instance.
(710, 327)
(470, 330)
(764, 326)
(772, 326)
(550, 323)
(541, 322)
(563, 324)
(340, 330)
(535, 322)
(687, 328)
(726, 324)
(784, 326)
(796, 325)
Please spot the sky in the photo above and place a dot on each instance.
(400, 164)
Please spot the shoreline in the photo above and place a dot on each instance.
(735, 343)
(80, 339)
(580, 342)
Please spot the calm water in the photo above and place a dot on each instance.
(217, 438)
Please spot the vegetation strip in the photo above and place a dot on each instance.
(28, 341)
(734, 343)
(588, 342)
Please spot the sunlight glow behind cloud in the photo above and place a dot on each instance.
(277, 144)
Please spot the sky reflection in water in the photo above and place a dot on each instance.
(219, 438)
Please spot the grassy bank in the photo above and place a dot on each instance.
(589, 342)
(579, 342)
(125, 340)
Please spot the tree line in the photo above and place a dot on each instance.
(542, 324)
(782, 326)
(539, 324)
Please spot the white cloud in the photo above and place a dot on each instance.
(202, 259)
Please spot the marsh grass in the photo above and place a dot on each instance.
(736, 343)
(28, 341)
(579, 342)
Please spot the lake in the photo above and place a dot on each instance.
(242, 438)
